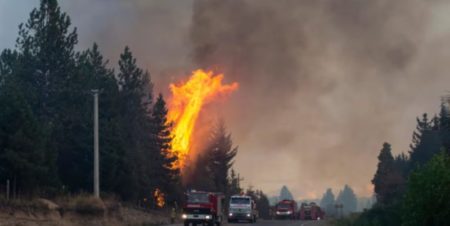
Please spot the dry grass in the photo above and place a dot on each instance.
(80, 210)
(83, 204)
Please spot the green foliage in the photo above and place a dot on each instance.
(444, 125)
(427, 199)
(163, 174)
(426, 141)
(46, 135)
(389, 179)
(347, 221)
(135, 131)
(414, 190)
(380, 215)
(23, 158)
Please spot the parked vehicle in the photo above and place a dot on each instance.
(286, 209)
(311, 211)
(203, 208)
(242, 208)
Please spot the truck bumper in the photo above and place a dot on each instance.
(284, 216)
(240, 217)
(197, 218)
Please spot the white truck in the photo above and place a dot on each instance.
(242, 208)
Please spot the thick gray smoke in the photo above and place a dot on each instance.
(323, 83)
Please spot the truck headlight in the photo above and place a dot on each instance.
(289, 212)
(184, 216)
(248, 215)
(230, 214)
(207, 217)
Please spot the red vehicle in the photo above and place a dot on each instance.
(311, 211)
(203, 208)
(286, 209)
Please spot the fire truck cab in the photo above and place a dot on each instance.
(286, 209)
(311, 211)
(203, 208)
(242, 208)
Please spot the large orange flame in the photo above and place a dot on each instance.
(185, 105)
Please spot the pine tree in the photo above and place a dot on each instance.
(385, 167)
(426, 141)
(23, 159)
(263, 205)
(388, 180)
(134, 129)
(47, 52)
(94, 70)
(47, 72)
(221, 154)
(348, 199)
(198, 174)
(401, 163)
(327, 201)
(444, 126)
(167, 177)
(234, 184)
(285, 193)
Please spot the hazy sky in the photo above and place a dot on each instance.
(322, 83)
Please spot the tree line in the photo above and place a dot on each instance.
(414, 188)
(343, 204)
(46, 117)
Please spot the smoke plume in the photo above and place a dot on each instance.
(323, 83)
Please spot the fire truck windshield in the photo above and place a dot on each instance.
(198, 198)
(284, 206)
(236, 200)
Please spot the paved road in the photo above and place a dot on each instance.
(279, 223)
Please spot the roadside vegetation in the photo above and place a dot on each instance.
(413, 189)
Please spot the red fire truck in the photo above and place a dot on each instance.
(203, 208)
(311, 211)
(286, 209)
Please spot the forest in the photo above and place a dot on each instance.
(46, 123)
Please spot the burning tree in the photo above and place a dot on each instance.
(185, 106)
